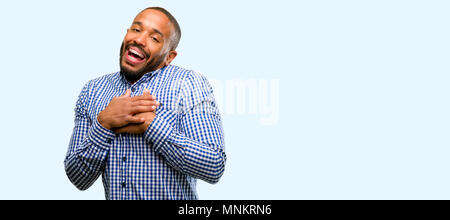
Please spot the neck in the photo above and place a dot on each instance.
(133, 78)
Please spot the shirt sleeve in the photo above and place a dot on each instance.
(88, 147)
(197, 147)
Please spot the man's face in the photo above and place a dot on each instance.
(144, 48)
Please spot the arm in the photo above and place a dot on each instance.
(91, 140)
(88, 148)
(197, 148)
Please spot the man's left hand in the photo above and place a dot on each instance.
(138, 128)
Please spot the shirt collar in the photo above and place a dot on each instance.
(145, 77)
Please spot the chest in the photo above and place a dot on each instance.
(167, 92)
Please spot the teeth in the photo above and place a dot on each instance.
(137, 53)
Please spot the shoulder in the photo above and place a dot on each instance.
(187, 80)
(195, 87)
(190, 78)
(91, 87)
(186, 75)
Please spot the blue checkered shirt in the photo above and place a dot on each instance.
(183, 143)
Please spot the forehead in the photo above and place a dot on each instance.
(153, 19)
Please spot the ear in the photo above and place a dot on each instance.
(172, 54)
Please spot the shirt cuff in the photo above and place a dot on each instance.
(158, 132)
(100, 136)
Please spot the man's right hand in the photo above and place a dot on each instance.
(121, 110)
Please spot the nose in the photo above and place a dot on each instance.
(140, 39)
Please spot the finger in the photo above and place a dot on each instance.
(130, 129)
(143, 97)
(147, 93)
(126, 129)
(143, 108)
(135, 120)
(120, 130)
(146, 103)
(127, 93)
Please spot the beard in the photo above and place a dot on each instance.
(134, 75)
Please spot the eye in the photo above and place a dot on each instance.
(155, 39)
(135, 30)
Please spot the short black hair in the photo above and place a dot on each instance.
(176, 35)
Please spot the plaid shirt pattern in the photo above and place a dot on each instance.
(183, 143)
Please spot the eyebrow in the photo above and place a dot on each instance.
(154, 29)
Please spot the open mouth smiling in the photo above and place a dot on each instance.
(134, 55)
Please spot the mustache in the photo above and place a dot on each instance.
(140, 47)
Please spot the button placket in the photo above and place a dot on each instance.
(124, 168)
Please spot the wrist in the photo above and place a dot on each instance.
(102, 121)
(159, 131)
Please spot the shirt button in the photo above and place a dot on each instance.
(133, 89)
(123, 184)
(124, 159)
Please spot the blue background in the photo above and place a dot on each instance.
(363, 98)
